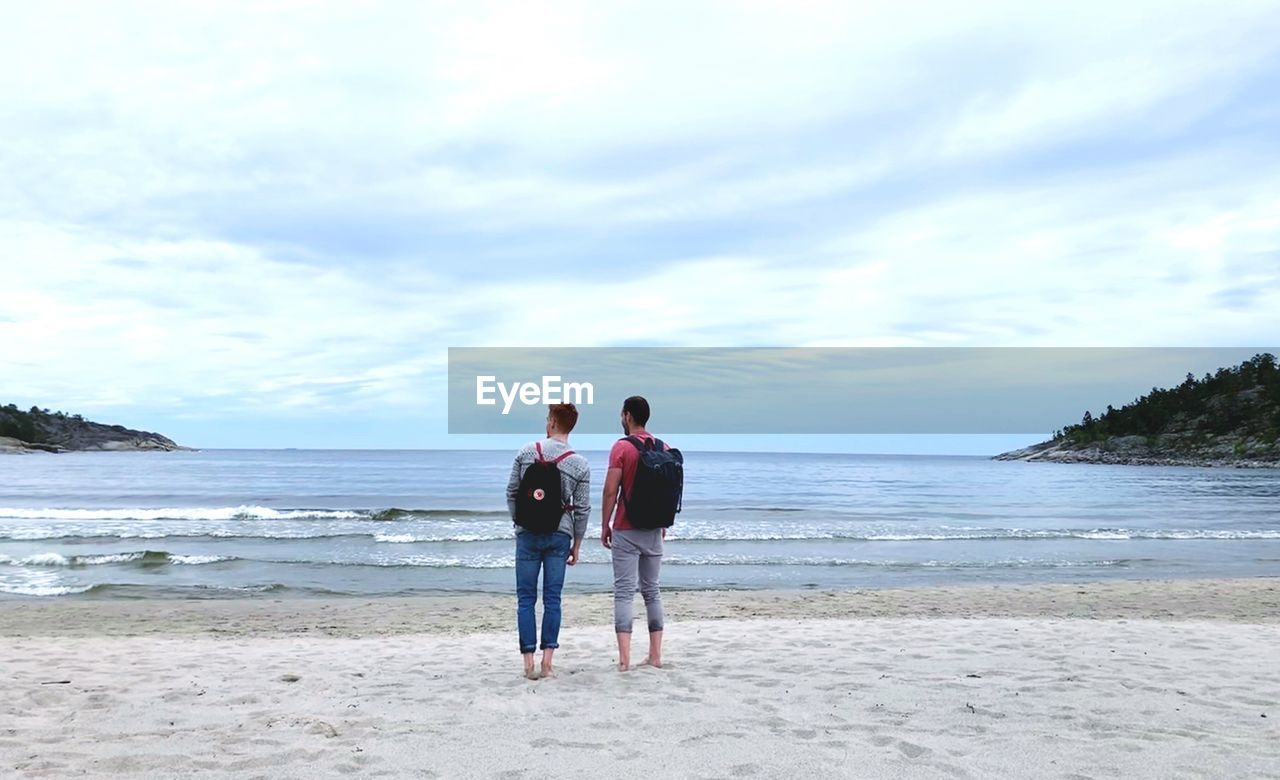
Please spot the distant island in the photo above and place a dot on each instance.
(1230, 418)
(39, 430)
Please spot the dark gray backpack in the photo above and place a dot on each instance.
(658, 489)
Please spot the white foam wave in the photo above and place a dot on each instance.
(44, 590)
(98, 560)
(396, 538)
(196, 560)
(440, 562)
(410, 538)
(743, 560)
(40, 559)
(995, 534)
(244, 512)
(57, 559)
(722, 534)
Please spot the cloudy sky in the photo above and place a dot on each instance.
(264, 224)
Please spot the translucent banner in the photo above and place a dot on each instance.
(743, 390)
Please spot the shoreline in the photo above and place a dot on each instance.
(1126, 453)
(1108, 459)
(1244, 600)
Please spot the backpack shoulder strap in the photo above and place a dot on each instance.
(638, 443)
(537, 445)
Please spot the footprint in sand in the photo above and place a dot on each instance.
(912, 750)
(323, 729)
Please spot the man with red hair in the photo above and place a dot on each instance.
(548, 495)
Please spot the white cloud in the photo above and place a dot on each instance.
(771, 173)
(136, 104)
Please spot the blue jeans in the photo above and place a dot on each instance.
(536, 553)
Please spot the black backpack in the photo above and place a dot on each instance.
(540, 505)
(658, 488)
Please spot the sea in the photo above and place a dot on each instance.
(279, 523)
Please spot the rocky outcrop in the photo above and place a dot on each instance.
(10, 444)
(1169, 450)
(43, 431)
(1229, 418)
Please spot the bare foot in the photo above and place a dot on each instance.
(624, 667)
(531, 672)
(656, 664)
(548, 671)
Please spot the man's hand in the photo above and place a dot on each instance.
(612, 484)
(573, 553)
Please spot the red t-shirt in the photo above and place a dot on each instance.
(625, 456)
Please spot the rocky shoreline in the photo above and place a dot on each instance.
(156, 443)
(1139, 451)
(40, 430)
(10, 444)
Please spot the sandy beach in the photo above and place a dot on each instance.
(1122, 679)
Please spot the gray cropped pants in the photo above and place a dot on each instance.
(637, 558)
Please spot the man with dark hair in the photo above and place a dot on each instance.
(638, 409)
(549, 497)
(637, 551)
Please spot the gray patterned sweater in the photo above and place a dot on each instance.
(575, 485)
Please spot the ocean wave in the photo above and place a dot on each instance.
(197, 560)
(395, 513)
(151, 591)
(84, 534)
(149, 558)
(441, 562)
(46, 590)
(1018, 563)
(714, 534)
(414, 538)
(244, 512)
(504, 562)
(141, 557)
(274, 587)
(175, 591)
(769, 509)
(1002, 534)
(508, 562)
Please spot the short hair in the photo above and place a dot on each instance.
(638, 408)
(565, 416)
